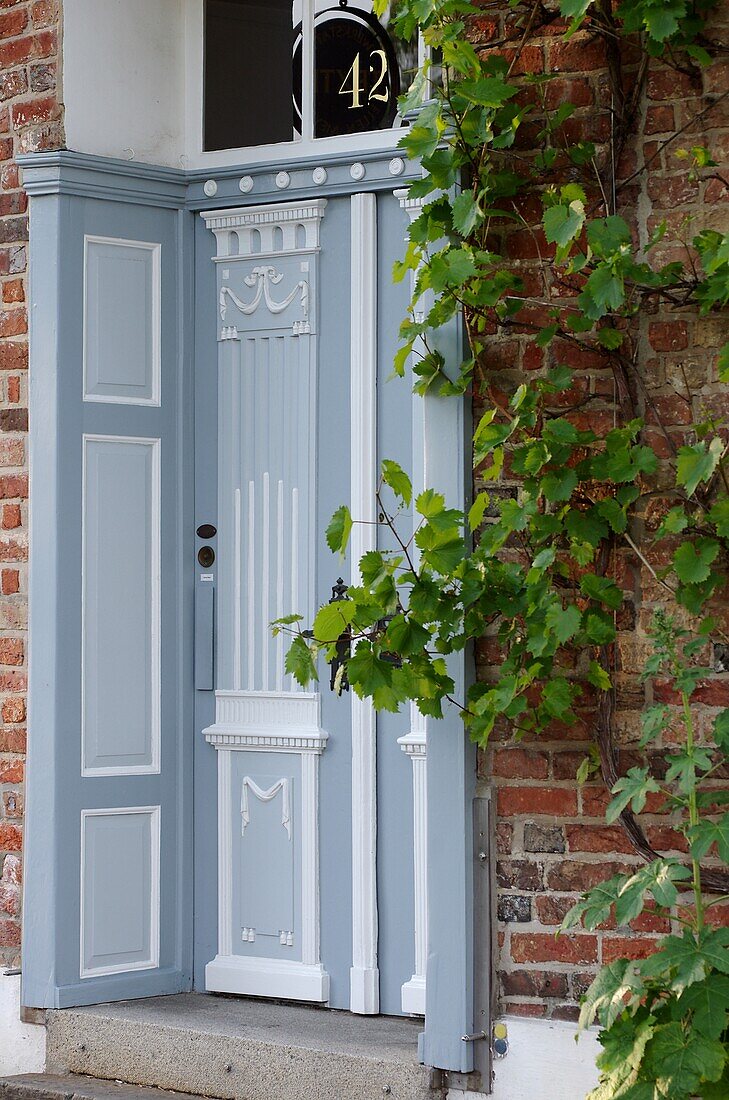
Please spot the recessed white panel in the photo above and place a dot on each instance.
(120, 868)
(121, 606)
(122, 321)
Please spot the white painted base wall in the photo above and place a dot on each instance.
(22, 1046)
(543, 1063)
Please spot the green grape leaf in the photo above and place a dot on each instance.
(394, 476)
(708, 832)
(632, 790)
(332, 619)
(607, 995)
(563, 223)
(602, 589)
(709, 1002)
(466, 214)
(339, 530)
(692, 560)
(680, 1060)
(697, 462)
(300, 662)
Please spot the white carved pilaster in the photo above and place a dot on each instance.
(414, 743)
(364, 975)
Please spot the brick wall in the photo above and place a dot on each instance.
(31, 119)
(551, 834)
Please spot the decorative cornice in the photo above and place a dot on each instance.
(64, 172)
(413, 744)
(67, 173)
(286, 721)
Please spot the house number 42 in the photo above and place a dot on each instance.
(378, 58)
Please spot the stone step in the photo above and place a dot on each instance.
(73, 1086)
(232, 1048)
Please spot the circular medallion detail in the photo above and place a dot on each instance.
(356, 73)
(358, 170)
(397, 166)
(319, 175)
(210, 188)
(283, 179)
(246, 184)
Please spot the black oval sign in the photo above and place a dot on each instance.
(206, 531)
(356, 74)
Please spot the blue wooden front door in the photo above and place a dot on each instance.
(306, 876)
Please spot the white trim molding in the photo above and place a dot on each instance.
(413, 744)
(276, 722)
(255, 977)
(364, 974)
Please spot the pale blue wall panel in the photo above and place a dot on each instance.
(122, 321)
(121, 604)
(120, 906)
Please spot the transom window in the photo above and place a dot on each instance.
(277, 71)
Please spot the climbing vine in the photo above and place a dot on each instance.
(533, 563)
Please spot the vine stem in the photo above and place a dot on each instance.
(693, 808)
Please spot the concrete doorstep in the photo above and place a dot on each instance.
(229, 1049)
(72, 1086)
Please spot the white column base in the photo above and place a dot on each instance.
(364, 986)
(413, 996)
(22, 1046)
(254, 977)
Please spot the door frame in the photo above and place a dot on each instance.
(55, 181)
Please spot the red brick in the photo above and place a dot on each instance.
(520, 764)
(10, 582)
(13, 291)
(580, 54)
(11, 771)
(13, 82)
(11, 517)
(13, 389)
(13, 356)
(668, 335)
(30, 111)
(12, 651)
(556, 801)
(598, 838)
(12, 740)
(659, 120)
(13, 710)
(12, 451)
(537, 947)
(576, 876)
(44, 13)
(14, 485)
(13, 322)
(532, 1011)
(9, 933)
(11, 838)
(534, 983)
(625, 947)
(13, 23)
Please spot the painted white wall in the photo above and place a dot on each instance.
(22, 1046)
(124, 78)
(543, 1063)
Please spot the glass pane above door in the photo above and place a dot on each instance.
(249, 78)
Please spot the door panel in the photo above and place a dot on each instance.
(110, 635)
